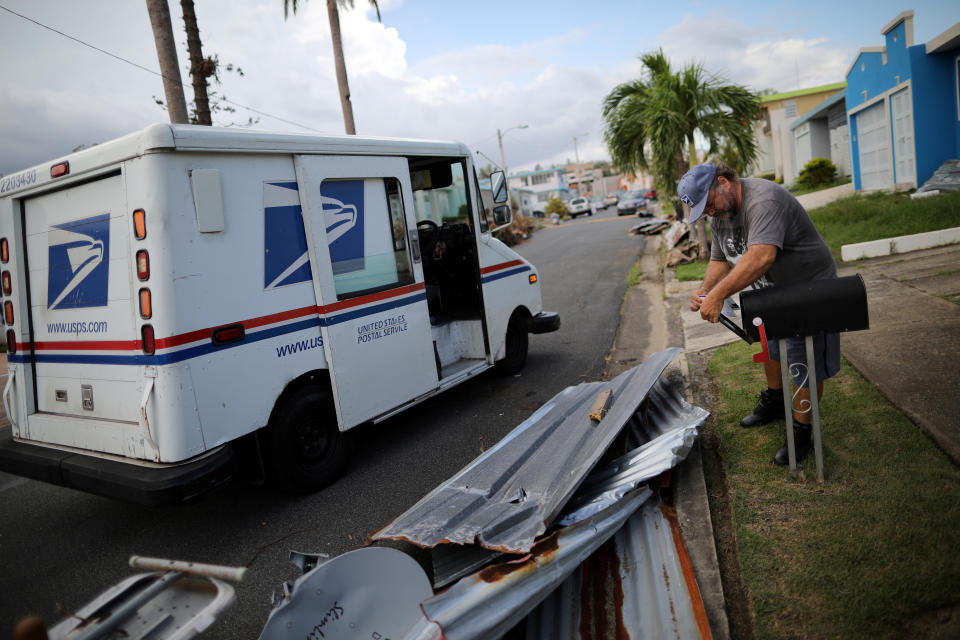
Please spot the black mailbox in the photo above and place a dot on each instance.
(806, 308)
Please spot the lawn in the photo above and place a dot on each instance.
(875, 216)
(872, 552)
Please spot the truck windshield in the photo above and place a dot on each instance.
(440, 191)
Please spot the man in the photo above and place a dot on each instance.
(762, 237)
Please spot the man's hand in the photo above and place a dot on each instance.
(696, 300)
(710, 308)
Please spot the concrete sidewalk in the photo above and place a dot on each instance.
(911, 352)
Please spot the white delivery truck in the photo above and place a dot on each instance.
(184, 301)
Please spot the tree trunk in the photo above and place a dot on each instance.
(334, 16)
(198, 74)
(701, 224)
(167, 56)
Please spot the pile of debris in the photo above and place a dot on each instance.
(559, 526)
(549, 526)
(946, 178)
(650, 227)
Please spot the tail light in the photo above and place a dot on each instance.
(532, 278)
(139, 224)
(8, 312)
(6, 283)
(143, 265)
(146, 306)
(11, 342)
(4, 251)
(146, 339)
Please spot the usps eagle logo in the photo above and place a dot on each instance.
(686, 200)
(78, 263)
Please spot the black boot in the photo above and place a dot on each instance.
(769, 408)
(801, 444)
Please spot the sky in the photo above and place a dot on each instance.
(436, 69)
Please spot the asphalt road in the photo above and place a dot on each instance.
(62, 546)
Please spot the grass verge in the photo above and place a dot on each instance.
(691, 272)
(871, 552)
(799, 191)
(873, 216)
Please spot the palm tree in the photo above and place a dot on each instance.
(333, 15)
(650, 122)
(167, 55)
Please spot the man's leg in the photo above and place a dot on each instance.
(801, 402)
(770, 407)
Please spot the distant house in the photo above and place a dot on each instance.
(903, 104)
(823, 133)
(533, 189)
(776, 143)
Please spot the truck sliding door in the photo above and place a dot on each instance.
(358, 217)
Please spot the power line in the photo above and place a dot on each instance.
(143, 68)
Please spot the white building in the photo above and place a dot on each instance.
(533, 189)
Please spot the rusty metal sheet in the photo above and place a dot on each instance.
(638, 585)
(490, 602)
(663, 436)
(508, 496)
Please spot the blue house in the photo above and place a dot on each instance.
(903, 104)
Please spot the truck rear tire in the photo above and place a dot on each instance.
(517, 343)
(307, 450)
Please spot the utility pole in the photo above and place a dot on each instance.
(503, 163)
(167, 56)
(576, 154)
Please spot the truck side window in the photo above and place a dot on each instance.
(366, 235)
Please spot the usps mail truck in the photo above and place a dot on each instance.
(186, 302)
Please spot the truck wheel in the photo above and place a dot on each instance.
(517, 344)
(307, 449)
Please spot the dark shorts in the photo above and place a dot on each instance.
(826, 352)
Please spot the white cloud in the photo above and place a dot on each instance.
(463, 95)
(752, 56)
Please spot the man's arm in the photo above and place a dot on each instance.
(752, 264)
(716, 270)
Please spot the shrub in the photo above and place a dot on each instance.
(767, 176)
(818, 171)
(557, 206)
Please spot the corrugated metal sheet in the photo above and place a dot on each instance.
(490, 602)
(638, 585)
(507, 497)
(663, 436)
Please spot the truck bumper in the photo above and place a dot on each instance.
(545, 322)
(150, 486)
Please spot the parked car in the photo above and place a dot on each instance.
(577, 206)
(632, 202)
(650, 194)
(610, 200)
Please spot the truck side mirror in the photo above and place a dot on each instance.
(498, 184)
(502, 215)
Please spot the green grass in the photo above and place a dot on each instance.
(861, 218)
(863, 555)
(799, 191)
(633, 278)
(691, 272)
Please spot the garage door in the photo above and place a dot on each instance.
(874, 144)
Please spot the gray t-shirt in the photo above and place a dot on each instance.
(769, 214)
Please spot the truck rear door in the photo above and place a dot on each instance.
(82, 312)
(359, 222)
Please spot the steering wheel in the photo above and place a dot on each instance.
(431, 235)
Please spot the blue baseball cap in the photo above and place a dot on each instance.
(694, 188)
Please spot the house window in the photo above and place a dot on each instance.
(790, 108)
(526, 181)
(544, 196)
(540, 178)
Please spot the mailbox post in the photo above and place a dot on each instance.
(803, 310)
